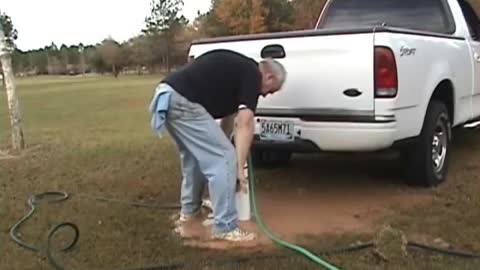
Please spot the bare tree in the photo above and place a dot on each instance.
(81, 50)
(111, 53)
(18, 142)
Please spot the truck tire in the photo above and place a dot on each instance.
(426, 160)
(270, 158)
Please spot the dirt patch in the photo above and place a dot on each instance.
(340, 210)
(326, 209)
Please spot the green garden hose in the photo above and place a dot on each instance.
(261, 224)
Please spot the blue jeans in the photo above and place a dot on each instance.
(207, 157)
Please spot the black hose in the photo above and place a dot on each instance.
(57, 266)
(50, 235)
(32, 202)
(449, 252)
(351, 248)
(133, 204)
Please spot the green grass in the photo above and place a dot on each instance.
(94, 138)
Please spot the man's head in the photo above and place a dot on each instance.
(273, 76)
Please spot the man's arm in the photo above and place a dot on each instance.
(243, 138)
(248, 99)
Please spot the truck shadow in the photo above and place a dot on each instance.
(361, 170)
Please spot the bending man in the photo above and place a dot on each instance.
(219, 84)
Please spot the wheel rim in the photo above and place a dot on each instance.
(439, 144)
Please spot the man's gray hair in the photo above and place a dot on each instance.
(276, 68)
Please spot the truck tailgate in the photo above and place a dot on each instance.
(327, 74)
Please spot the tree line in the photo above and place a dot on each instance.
(164, 42)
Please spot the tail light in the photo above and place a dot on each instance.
(386, 81)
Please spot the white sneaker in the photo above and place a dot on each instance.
(207, 203)
(208, 221)
(184, 218)
(237, 235)
(187, 217)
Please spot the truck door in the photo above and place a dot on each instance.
(474, 41)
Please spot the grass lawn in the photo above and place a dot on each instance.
(92, 136)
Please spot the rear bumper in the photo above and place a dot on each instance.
(315, 136)
(298, 145)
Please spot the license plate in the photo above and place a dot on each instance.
(276, 130)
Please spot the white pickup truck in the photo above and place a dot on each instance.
(373, 75)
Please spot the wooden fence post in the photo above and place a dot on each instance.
(18, 141)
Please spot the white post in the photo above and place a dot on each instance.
(18, 142)
(242, 199)
(82, 59)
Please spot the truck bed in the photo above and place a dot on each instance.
(318, 32)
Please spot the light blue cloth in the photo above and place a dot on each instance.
(159, 107)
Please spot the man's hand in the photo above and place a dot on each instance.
(243, 140)
(242, 183)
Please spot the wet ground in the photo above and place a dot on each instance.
(332, 206)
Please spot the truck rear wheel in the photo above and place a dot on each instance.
(427, 160)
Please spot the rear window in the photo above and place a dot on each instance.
(424, 15)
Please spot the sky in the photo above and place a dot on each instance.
(39, 22)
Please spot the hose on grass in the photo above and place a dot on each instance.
(33, 201)
(308, 254)
(444, 251)
(58, 196)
